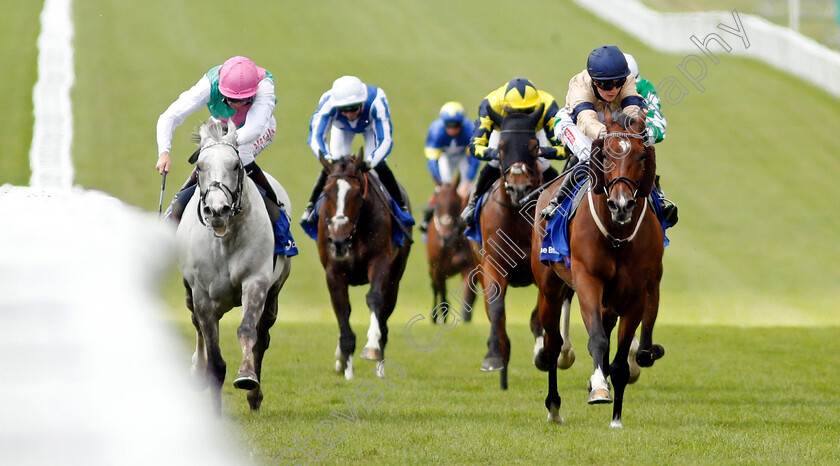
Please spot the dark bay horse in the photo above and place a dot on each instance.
(506, 228)
(226, 256)
(616, 247)
(448, 251)
(355, 246)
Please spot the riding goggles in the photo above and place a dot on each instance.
(350, 108)
(609, 84)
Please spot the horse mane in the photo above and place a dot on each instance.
(596, 165)
(213, 130)
(649, 176)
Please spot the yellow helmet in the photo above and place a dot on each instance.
(520, 94)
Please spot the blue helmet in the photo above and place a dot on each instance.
(607, 62)
(453, 112)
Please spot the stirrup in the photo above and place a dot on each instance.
(308, 213)
(549, 210)
(468, 214)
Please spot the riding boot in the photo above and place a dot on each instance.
(272, 204)
(179, 202)
(387, 178)
(566, 187)
(669, 209)
(485, 179)
(309, 211)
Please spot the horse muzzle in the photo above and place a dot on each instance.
(339, 248)
(217, 219)
(621, 211)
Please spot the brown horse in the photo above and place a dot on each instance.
(449, 252)
(506, 232)
(355, 246)
(616, 264)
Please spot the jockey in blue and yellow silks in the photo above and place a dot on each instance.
(446, 150)
(518, 95)
(238, 90)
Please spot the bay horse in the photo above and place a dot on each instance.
(616, 245)
(356, 248)
(226, 256)
(448, 251)
(505, 226)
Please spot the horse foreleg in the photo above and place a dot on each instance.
(269, 316)
(439, 286)
(467, 295)
(216, 367)
(381, 304)
(340, 299)
(254, 294)
(649, 352)
(567, 354)
(547, 355)
(620, 369)
(590, 291)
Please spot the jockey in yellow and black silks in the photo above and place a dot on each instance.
(516, 96)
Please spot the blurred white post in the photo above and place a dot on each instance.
(793, 14)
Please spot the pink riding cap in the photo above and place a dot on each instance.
(239, 78)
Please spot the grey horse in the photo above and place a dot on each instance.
(226, 256)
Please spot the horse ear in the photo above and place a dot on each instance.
(323, 159)
(230, 137)
(649, 176)
(608, 119)
(359, 160)
(496, 117)
(536, 115)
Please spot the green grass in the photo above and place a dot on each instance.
(720, 395)
(750, 161)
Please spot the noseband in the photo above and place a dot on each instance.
(234, 196)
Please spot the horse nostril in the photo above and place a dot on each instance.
(611, 205)
(225, 210)
(631, 204)
(206, 211)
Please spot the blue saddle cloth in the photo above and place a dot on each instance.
(555, 245)
(474, 232)
(398, 237)
(284, 243)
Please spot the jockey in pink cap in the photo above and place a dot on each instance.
(238, 90)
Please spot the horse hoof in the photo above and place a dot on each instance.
(492, 363)
(646, 357)
(657, 351)
(554, 416)
(616, 424)
(600, 396)
(566, 359)
(246, 382)
(635, 373)
(372, 354)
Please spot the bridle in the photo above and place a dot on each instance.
(363, 181)
(234, 196)
(616, 242)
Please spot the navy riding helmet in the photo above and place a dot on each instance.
(607, 62)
